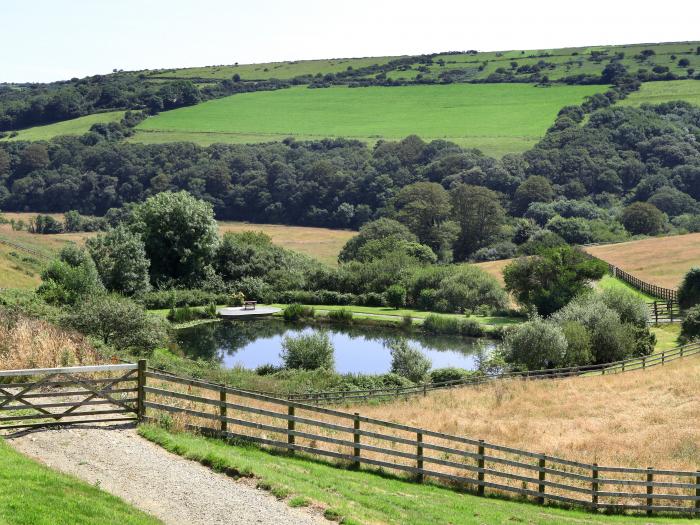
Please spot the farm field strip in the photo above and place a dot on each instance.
(660, 92)
(500, 118)
(77, 126)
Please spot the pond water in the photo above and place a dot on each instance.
(364, 349)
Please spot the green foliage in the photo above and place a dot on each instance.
(408, 362)
(71, 278)
(379, 230)
(308, 352)
(630, 306)
(160, 299)
(691, 324)
(536, 345)
(643, 218)
(396, 296)
(578, 344)
(689, 291)
(550, 280)
(534, 189)
(180, 236)
(184, 314)
(480, 216)
(341, 316)
(297, 312)
(118, 322)
(443, 324)
(120, 258)
(443, 375)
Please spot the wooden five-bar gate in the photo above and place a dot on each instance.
(133, 392)
(43, 397)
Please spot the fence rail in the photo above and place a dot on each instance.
(627, 365)
(650, 289)
(665, 312)
(225, 412)
(59, 396)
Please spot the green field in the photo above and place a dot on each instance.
(497, 118)
(31, 494)
(76, 126)
(367, 497)
(559, 63)
(660, 92)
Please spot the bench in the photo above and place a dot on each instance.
(249, 305)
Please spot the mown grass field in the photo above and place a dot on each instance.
(660, 92)
(76, 126)
(31, 494)
(497, 118)
(658, 260)
(364, 496)
(564, 62)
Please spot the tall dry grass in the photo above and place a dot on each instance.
(636, 419)
(32, 343)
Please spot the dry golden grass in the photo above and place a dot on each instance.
(320, 243)
(636, 419)
(495, 268)
(31, 343)
(659, 260)
(323, 244)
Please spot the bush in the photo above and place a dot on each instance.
(643, 218)
(578, 349)
(158, 300)
(308, 352)
(691, 324)
(343, 316)
(536, 345)
(370, 299)
(118, 322)
(495, 252)
(396, 296)
(443, 324)
(689, 291)
(443, 375)
(296, 312)
(408, 362)
(183, 314)
(630, 307)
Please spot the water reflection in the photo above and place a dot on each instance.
(358, 349)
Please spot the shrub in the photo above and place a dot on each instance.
(71, 278)
(396, 296)
(495, 252)
(578, 348)
(442, 375)
(689, 291)
(343, 316)
(308, 352)
(536, 345)
(158, 300)
(370, 299)
(441, 324)
(642, 218)
(409, 362)
(118, 322)
(296, 312)
(691, 324)
(183, 314)
(630, 307)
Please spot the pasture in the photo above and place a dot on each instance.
(77, 126)
(496, 118)
(558, 63)
(594, 419)
(658, 260)
(660, 92)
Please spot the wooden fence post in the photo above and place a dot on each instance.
(650, 489)
(656, 313)
(663, 356)
(540, 487)
(697, 490)
(419, 456)
(356, 440)
(223, 411)
(480, 464)
(670, 310)
(290, 428)
(594, 486)
(141, 394)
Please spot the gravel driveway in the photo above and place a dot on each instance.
(175, 490)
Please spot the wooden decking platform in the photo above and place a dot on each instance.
(239, 312)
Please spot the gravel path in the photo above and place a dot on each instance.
(175, 490)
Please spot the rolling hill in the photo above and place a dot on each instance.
(496, 118)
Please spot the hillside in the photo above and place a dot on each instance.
(473, 65)
(497, 119)
(659, 260)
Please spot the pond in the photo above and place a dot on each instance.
(358, 349)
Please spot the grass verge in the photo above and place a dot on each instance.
(366, 496)
(31, 494)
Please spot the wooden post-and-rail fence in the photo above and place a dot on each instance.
(666, 294)
(134, 392)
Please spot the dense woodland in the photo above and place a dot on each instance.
(624, 171)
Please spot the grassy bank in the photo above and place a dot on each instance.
(365, 496)
(31, 494)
